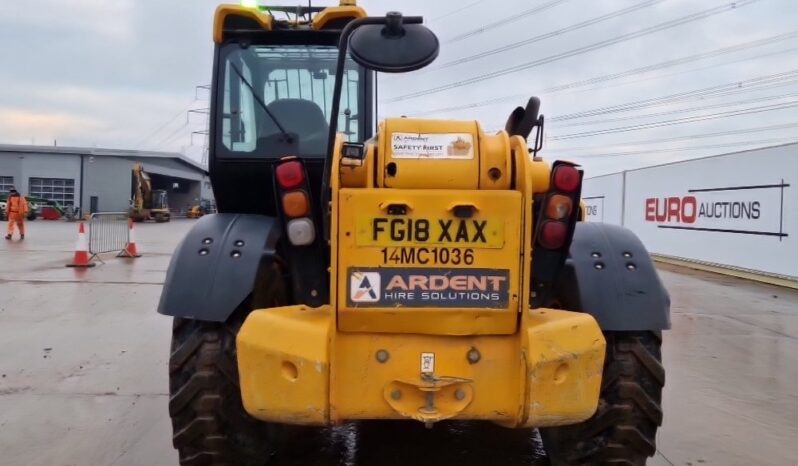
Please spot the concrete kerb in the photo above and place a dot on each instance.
(778, 280)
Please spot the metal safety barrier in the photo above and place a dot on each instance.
(108, 232)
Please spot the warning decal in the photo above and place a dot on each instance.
(428, 287)
(458, 146)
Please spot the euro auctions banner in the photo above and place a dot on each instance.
(738, 210)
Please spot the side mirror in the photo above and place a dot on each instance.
(393, 47)
(390, 44)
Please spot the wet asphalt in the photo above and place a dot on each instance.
(83, 376)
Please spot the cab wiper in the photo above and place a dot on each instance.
(288, 137)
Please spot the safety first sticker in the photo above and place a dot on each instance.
(457, 146)
(428, 287)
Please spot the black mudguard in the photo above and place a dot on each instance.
(610, 275)
(214, 268)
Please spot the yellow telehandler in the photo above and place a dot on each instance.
(425, 271)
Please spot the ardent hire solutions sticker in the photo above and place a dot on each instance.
(458, 146)
(428, 287)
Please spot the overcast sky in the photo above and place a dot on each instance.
(122, 73)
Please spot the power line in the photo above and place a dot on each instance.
(692, 70)
(702, 96)
(624, 74)
(171, 136)
(164, 125)
(680, 111)
(758, 84)
(676, 121)
(756, 129)
(455, 11)
(682, 149)
(706, 96)
(506, 20)
(547, 35)
(747, 85)
(577, 51)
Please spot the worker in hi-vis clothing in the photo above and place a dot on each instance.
(17, 209)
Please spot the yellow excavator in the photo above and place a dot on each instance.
(147, 203)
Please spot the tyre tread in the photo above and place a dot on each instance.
(210, 425)
(623, 429)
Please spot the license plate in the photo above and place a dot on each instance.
(392, 231)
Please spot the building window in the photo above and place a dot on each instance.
(61, 190)
(6, 183)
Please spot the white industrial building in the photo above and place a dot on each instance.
(100, 180)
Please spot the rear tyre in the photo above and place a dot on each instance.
(210, 425)
(623, 429)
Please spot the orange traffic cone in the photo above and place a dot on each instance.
(81, 258)
(130, 247)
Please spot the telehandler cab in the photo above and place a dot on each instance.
(428, 271)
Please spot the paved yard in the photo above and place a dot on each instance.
(83, 377)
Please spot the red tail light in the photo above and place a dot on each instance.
(566, 178)
(290, 174)
(553, 234)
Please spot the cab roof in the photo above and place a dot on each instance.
(237, 18)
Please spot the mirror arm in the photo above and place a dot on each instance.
(538, 136)
(343, 46)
